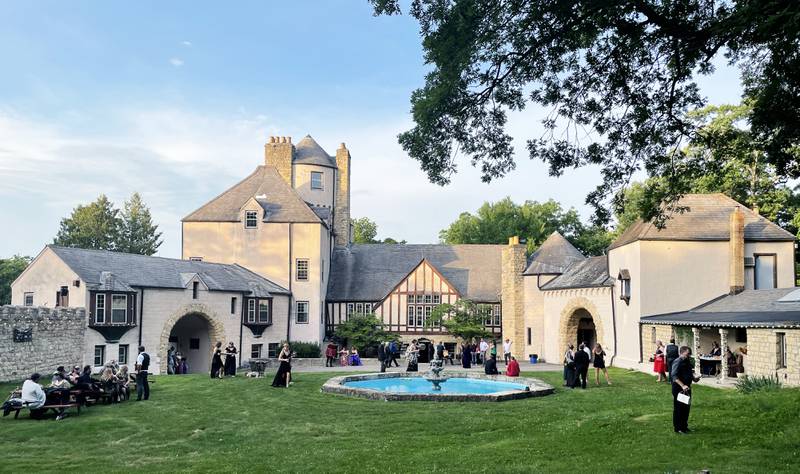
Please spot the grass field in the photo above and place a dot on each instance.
(194, 423)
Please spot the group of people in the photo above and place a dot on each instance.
(665, 355)
(346, 357)
(577, 362)
(478, 352)
(114, 381)
(220, 369)
(176, 363)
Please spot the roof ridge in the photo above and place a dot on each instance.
(293, 193)
(258, 169)
(117, 252)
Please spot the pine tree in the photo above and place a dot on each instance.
(94, 226)
(138, 234)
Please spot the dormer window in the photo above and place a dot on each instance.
(250, 219)
(624, 285)
(316, 180)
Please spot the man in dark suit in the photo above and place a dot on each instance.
(581, 366)
(490, 366)
(671, 353)
(682, 377)
(382, 356)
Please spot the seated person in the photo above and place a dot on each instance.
(110, 384)
(355, 359)
(123, 380)
(490, 366)
(58, 392)
(33, 396)
(513, 367)
(73, 375)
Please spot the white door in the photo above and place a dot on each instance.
(765, 272)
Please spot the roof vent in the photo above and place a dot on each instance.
(791, 297)
(261, 196)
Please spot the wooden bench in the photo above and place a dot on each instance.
(46, 408)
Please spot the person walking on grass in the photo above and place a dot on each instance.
(600, 364)
(283, 377)
(682, 376)
(581, 366)
(142, 384)
(659, 364)
(569, 366)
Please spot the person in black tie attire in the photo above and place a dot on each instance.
(142, 384)
(582, 360)
(682, 377)
(382, 356)
(671, 354)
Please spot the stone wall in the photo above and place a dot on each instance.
(279, 152)
(513, 295)
(663, 333)
(57, 337)
(762, 354)
(341, 210)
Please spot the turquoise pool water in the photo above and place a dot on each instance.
(420, 385)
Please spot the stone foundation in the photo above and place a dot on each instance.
(762, 355)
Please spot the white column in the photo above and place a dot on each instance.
(723, 344)
(696, 348)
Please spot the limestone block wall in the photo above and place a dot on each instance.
(560, 324)
(513, 296)
(652, 333)
(56, 339)
(762, 354)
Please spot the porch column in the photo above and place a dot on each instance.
(696, 347)
(723, 344)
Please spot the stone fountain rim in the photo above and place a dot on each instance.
(535, 388)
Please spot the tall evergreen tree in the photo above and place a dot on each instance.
(137, 233)
(93, 226)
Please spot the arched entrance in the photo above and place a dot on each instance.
(192, 330)
(586, 331)
(579, 323)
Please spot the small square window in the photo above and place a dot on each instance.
(196, 259)
(272, 350)
(122, 358)
(412, 299)
(437, 299)
(250, 219)
(263, 312)
(194, 343)
(350, 309)
(316, 180)
(428, 299)
(301, 315)
(359, 308)
(255, 351)
(99, 356)
(29, 299)
(119, 309)
(302, 269)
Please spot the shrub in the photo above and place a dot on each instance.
(305, 349)
(749, 384)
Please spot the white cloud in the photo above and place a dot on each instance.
(188, 44)
(177, 62)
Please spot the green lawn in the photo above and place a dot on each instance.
(194, 423)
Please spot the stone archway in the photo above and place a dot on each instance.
(216, 331)
(574, 311)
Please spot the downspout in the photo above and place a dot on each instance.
(289, 315)
(241, 329)
(614, 316)
(141, 314)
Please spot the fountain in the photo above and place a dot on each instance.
(434, 374)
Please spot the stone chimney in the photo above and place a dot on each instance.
(341, 209)
(736, 251)
(279, 153)
(513, 294)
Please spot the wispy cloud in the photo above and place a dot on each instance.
(177, 62)
(188, 44)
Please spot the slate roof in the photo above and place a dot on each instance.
(308, 152)
(368, 272)
(117, 271)
(708, 218)
(553, 256)
(750, 308)
(587, 273)
(281, 204)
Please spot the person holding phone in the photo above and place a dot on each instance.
(682, 376)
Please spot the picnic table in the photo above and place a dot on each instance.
(714, 362)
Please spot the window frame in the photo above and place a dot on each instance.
(25, 298)
(297, 311)
(305, 271)
(250, 216)
(321, 176)
(411, 320)
(101, 354)
(195, 289)
(497, 315)
(125, 309)
(233, 305)
(351, 309)
(123, 352)
(782, 354)
(252, 309)
(256, 350)
(262, 304)
(195, 259)
(97, 308)
(273, 348)
(359, 308)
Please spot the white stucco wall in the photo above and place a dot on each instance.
(44, 277)
(302, 184)
(785, 261)
(534, 315)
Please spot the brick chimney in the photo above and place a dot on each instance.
(736, 251)
(512, 294)
(279, 153)
(341, 209)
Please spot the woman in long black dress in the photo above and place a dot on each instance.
(466, 355)
(230, 360)
(216, 361)
(284, 375)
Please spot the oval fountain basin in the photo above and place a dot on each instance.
(421, 385)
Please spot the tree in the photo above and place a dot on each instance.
(365, 231)
(362, 331)
(495, 222)
(93, 226)
(617, 77)
(10, 269)
(137, 233)
(462, 319)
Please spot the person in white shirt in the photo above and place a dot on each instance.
(587, 350)
(507, 350)
(33, 396)
(484, 346)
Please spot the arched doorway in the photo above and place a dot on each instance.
(586, 331)
(214, 331)
(580, 322)
(190, 336)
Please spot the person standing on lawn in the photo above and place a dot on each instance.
(230, 360)
(216, 361)
(670, 354)
(382, 356)
(142, 384)
(682, 377)
(599, 364)
(330, 355)
(507, 351)
(581, 366)
(483, 347)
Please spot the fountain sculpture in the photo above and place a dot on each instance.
(434, 374)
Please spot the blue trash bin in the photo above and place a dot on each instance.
(534, 358)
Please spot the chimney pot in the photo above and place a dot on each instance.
(342, 146)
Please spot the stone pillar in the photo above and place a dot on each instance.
(279, 153)
(723, 344)
(736, 252)
(696, 347)
(341, 206)
(513, 295)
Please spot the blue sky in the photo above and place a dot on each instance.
(176, 99)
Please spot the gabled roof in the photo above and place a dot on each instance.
(308, 152)
(590, 272)
(707, 218)
(553, 256)
(368, 272)
(281, 203)
(117, 271)
(750, 308)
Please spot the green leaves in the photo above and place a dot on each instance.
(10, 269)
(461, 319)
(99, 225)
(362, 331)
(365, 231)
